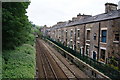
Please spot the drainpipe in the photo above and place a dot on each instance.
(75, 40)
(66, 36)
(84, 40)
(98, 41)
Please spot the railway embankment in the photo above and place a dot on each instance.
(19, 63)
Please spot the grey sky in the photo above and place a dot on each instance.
(49, 12)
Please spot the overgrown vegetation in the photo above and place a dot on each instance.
(37, 31)
(18, 56)
(19, 63)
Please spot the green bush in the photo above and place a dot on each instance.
(19, 63)
(30, 39)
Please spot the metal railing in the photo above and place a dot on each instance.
(104, 68)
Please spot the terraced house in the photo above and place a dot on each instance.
(97, 37)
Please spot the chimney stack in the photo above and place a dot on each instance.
(119, 5)
(110, 7)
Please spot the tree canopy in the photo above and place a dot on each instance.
(15, 24)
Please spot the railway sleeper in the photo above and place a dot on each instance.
(88, 71)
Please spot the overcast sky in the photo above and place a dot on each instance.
(49, 12)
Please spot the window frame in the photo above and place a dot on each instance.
(95, 36)
(103, 36)
(87, 34)
(78, 33)
(101, 55)
(71, 33)
(117, 37)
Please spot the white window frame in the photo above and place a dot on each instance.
(81, 50)
(87, 49)
(71, 40)
(79, 33)
(116, 41)
(101, 36)
(70, 33)
(103, 48)
(86, 33)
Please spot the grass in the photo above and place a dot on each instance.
(19, 63)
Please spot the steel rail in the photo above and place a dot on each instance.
(61, 61)
(47, 60)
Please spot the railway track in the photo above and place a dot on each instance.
(50, 66)
(54, 54)
(46, 65)
(51, 71)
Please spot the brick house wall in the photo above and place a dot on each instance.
(99, 40)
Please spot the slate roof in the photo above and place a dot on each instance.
(101, 17)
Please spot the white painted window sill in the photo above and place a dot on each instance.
(87, 40)
(115, 41)
(78, 38)
(103, 43)
(102, 62)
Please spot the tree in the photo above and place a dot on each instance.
(16, 26)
